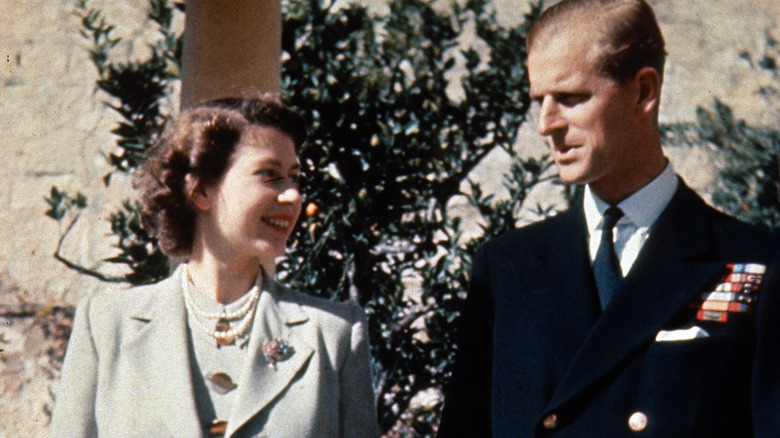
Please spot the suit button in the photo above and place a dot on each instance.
(550, 422)
(637, 421)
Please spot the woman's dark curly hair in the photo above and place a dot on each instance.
(196, 149)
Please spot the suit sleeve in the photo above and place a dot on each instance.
(357, 407)
(74, 406)
(766, 375)
(467, 399)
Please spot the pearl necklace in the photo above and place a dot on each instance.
(223, 331)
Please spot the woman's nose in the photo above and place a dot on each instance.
(291, 194)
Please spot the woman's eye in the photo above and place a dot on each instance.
(268, 175)
(274, 176)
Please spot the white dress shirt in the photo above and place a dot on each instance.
(640, 211)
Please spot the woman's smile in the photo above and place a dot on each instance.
(282, 223)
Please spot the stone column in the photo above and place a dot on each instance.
(231, 48)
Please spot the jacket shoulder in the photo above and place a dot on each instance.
(742, 239)
(327, 311)
(107, 309)
(534, 235)
(740, 230)
(342, 327)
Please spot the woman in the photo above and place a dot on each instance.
(218, 348)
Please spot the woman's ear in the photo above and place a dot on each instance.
(648, 86)
(197, 193)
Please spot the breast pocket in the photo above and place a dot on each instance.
(661, 352)
(697, 384)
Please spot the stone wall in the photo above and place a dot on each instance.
(55, 130)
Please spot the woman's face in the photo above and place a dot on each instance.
(250, 213)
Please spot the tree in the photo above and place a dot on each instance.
(392, 147)
(389, 150)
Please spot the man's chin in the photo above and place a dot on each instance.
(571, 176)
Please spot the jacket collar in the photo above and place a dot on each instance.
(559, 259)
(161, 344)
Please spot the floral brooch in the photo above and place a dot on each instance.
(276, 350)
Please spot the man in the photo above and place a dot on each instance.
(662, 328)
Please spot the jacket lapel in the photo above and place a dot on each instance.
(563, 318)
(161, 363)
(674, 264)
(278, 316)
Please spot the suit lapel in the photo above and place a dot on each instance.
(161, 363)
(675, 263)
(278, 316)
(564, 318)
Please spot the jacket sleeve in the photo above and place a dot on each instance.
(766, 374)
(357, 407)
(467, 398)
(74, 405)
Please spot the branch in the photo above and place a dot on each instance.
(450, 186)
(78, 268)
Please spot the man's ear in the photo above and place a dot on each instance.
(197, 193)
(648, 90)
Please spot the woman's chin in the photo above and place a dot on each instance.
(269, 258)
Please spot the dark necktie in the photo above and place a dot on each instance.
(606, 266)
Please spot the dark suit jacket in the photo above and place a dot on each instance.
(534, 341)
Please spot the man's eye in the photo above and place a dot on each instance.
(572, 99)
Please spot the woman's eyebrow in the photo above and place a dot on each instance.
(275, 163)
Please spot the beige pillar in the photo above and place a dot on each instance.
(231, 48)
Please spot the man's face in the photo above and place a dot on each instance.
(586, 117)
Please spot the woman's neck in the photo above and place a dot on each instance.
(225, 282)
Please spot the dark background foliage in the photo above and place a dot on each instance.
(397, 127)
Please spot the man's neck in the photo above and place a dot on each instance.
(615, 189)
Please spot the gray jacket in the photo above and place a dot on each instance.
(127, 372)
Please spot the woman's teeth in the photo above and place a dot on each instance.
(278, 223)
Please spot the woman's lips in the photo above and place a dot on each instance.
(281, 223)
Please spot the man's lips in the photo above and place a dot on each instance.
(564, 152)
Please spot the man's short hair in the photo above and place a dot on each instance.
(625, 33)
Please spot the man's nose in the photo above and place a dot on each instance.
(550, 118)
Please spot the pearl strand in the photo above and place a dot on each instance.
(243, 313)
(238, 313)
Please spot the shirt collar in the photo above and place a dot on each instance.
(641, 208)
